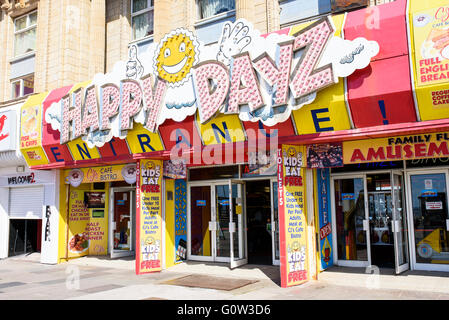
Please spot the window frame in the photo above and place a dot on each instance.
(138, 13)
(318, 16)
(26, 29)
(22, 86)
(217, 16)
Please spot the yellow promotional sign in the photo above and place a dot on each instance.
(88, 222)
(78, 237)
(292, 215)
(431, 43)
(328, 112)
(101, 174)
(429, 23)
(221, 129)
(31, 130)
(149, 216)
(419, 146)
(140, 140)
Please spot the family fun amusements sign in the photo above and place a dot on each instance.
(183, 76)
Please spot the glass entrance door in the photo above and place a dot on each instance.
(370, 221)
(237, 224)
(202, 224)
(217, 223)
(351, 222)
(122, 222)
(430, 220)
(399, 224)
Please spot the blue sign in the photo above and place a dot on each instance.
(224, 202)
(429, 193)
(323, 185)
(120, 202)
(347, 196)
(181, 220)
(200, 203)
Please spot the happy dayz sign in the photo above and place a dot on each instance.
(260, 78)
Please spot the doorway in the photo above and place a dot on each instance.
(122, 222)
(24, 236)
(258, 210)
(370, 220)
(217, 222)
(430, 220)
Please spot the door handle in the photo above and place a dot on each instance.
(212, 226)
(395, 226)
(447, 225)
(365, 225)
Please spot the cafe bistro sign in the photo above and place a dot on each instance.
(259, 78)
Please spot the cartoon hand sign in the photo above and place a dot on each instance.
(233, 40)
(134, 68)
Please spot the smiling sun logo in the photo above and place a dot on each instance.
(175, 56)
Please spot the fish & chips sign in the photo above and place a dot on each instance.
(258, 78)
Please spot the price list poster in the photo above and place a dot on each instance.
(149, 217)
(292, 215)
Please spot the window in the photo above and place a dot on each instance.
(293, 11)
(25, 34)
(209, 8)
(22, 87)
(142, 18)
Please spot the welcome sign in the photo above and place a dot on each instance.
(257, 78)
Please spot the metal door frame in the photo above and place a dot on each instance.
(397, 229)
(350, 263)
(116, 253)
(242, 225)
(411, 226)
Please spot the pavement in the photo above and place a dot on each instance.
(94, 278)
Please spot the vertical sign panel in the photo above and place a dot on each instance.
(325, 232)
(292, 216)
(149, 217)
(180, 220)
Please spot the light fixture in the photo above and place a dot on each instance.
(20, 169)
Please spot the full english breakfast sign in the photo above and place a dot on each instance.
(256, 77)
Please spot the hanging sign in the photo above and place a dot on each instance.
(149, 216)
(180, 221)
(292, 216)
(431, 35)
(31, 130)
(7, 130)
(325, 229)
(329, 155)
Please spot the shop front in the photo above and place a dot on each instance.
(100, 212)
(233, 214)
(389, 203)
(298, 151)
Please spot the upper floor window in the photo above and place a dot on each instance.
(209, 8)
(25, 33)
(23, 86)
(294, 11)
(142, 18)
